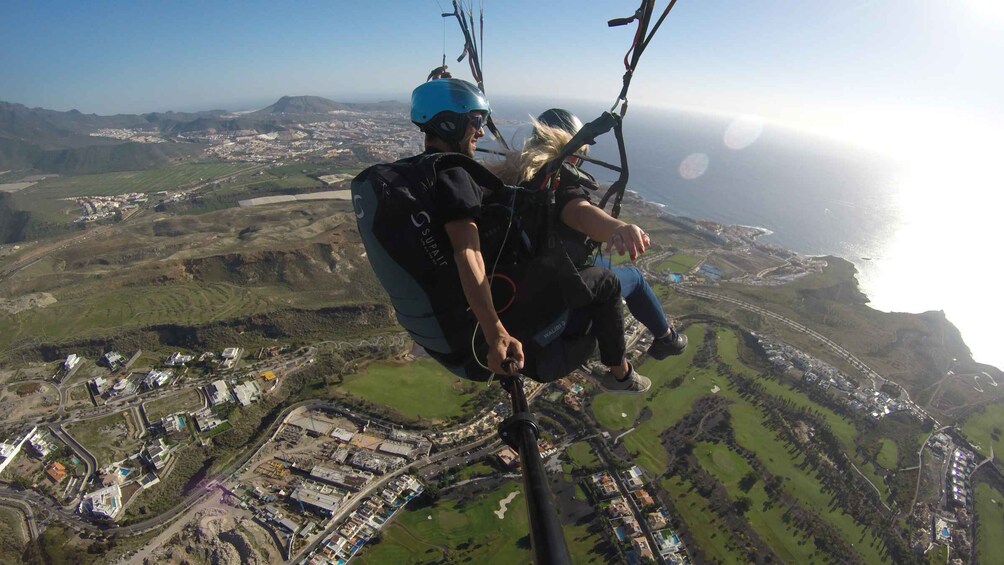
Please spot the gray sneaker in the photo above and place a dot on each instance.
(633, 383)
(673, 343)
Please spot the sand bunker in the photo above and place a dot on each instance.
(504, 504)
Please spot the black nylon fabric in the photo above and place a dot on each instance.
(572, 183)
(534, 283)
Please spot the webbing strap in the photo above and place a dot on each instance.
(474, 59)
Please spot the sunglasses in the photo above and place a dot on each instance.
(476, 120)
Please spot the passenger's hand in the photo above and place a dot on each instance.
(630, 239)
(504, 346)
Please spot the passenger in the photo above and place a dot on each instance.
(583, 226)
(432, 225)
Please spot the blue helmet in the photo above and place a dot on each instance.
(445, 95)
(442, 107)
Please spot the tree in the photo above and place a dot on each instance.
(21, 482)
(742, 505)
(748, 480)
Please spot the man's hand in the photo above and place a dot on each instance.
(502, 347)
(630, 239)
(463, 236)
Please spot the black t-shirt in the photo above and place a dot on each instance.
(498, 211)
(457, 196)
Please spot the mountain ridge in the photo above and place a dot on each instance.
(60, 142)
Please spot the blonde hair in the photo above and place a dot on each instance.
(520, 166)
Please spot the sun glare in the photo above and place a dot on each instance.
(991, 9)
(949, 197)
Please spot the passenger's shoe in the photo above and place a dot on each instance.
(633, 383)
(673, 344)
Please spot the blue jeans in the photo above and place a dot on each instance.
(641, 300)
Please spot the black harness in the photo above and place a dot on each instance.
(534, 283)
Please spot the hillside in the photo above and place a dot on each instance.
(51, 129)
(12, 221)
(51, 141)
(306, 105)
(290, 271)
(303, 105)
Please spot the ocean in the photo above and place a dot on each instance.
(920, 231)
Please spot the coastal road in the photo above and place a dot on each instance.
(876, 379)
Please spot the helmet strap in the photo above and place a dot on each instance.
(449, 127)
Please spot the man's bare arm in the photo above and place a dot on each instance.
(463, 236)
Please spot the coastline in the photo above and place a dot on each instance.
(756, 232)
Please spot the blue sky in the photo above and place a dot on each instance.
(827, 65)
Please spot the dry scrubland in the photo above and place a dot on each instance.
(51, 198)
(193, 271)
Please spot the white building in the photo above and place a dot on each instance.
(177, 358)
(342, 435)
(41, 442)
(206, 420)
(103, 503)
(156, 379)
(113, 359)
(157, 454)
(101, 385)
(173, 423)
(9, 450)
(634, 478)
(219, 393)
(71, 362)
(247, 393)
(345, 478)
(324, 502)
(230, 356)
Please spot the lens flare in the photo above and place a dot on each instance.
(693, 166)
(743, 132)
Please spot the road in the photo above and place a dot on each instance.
(361, 495)
(78, 522)
(877, 379)
(623, 491)
(29, 516)
(90, 462)
(920, 468)
(429, 466)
